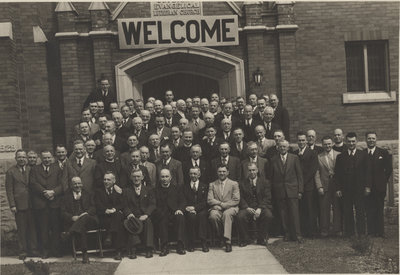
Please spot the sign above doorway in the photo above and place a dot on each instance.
(189, 31)
(176, 8)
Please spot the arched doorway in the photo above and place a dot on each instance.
(140, 71)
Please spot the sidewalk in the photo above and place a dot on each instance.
(242, 260)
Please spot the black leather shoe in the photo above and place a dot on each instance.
(149, 254)
(190, 249)
(204, 247)
(22, 256)
(85, 258)
(118, 257)
(34, 253)
(181, 251)
(164, 252)
(132, 256)
(45, 255)
(228, 247)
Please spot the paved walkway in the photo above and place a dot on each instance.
(251, 259)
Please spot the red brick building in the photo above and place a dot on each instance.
(332, 64)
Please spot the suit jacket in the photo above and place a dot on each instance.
(262, 197)
(210, 151)
(309, 166)
(249, 130)
(120, 143)
(230, 196)
(181, 153)
(175, 167)
(317, 149)
(153, 158)
(175, 199)
(281, 118)
(239, 154)
(221, 135)
(98, 95)
(340, 149)
(151, 168)
(218, 118)
(233, 165)
(94, 128)
(127, 170)
(103, 166)
(286, 179)
(17, 188)
(264, 146)
(262, 165)
(238, 115)
(174, 122)
(205, 169)
(40, 181)
(123, 133)
(195, 129)
(86, 173)
(143, 137)
(165, 135)
(104, 201)
(380, 169)
(325, 174)
(269, 133)
(67, 205)
(351, 172)
(197, 198)
(144, 204)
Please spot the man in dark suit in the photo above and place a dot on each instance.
(339, 145)
(140, 203)
(308, 203)
(227, 114)
(121, 131)
(380, 164)
(98, 136)
(269, 125)
(173, 165)
(135, 164)
(248, 124)
(225, 132)
(311, 139)
(109, 207)
(154, 148)
(211, 144)
(255, 204)
(107, 140)
(79, 165)
(103, 93)
(61, 155)
(182, 153)
(148, 121)
(79, 214)
(196, 210)
(133, 145)
(111, 163)
(252, 157)
(287, 184)
(353, 184)
(281, 116)
(195, 160)
(239, 113)
(118, 141)
(45, 183)
(232, 163)
(137, 130)
(170, 208)
(170, 120)
(126, 119)
(164, 133)
(238, 146)
(17, 189)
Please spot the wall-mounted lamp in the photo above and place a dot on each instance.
(257, 76)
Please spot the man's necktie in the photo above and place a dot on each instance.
(283, 160)
(247, 122)
(224, 162)
(47, 169)
(194, 186)
(196, 164)
(196, 123)
(80, 163)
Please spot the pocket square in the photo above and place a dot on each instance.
(380, 157)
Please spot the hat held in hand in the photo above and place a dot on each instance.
(133, 225)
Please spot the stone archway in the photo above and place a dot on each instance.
(133, 72)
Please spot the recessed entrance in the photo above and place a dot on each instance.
(205, 70)
(183, 85)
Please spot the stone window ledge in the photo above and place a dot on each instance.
(370, 97)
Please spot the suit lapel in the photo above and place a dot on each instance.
(75, 165)
(85, 164)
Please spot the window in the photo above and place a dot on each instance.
(367, 66)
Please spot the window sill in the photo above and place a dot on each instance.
(371, 97)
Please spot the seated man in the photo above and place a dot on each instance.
(109, 210)
(196, 213)
(79, 213)
(139, 202)
(223, 198)
(170, 207)
(255, 204)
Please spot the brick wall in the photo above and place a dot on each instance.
(321, 66)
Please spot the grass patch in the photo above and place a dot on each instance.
(338, 255)
(70, 268)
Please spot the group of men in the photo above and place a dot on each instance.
(141, 169)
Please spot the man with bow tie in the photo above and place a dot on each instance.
(109, 205)
(45, 183)
(17, 190)
(140, 203)
(223, 198)
(255, 204)
(79, 214)
(353, 184)
(326, 187)
(380, 163)
(196, 210)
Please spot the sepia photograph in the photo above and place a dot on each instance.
(199, 137)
